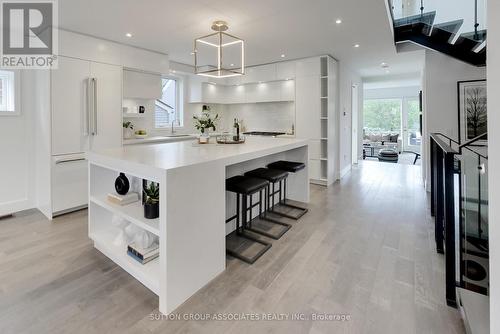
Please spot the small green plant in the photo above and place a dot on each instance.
(128, 125)
(152, 193)
(205, 120)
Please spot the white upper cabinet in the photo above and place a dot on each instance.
(287, 92)
(308, 67)
(285, 70)
(234, 94)
(140, 85)
(260, 73)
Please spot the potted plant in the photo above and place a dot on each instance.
(152, 202)
(204, 122)
(128, 128)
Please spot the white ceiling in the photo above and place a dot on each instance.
(297, 28)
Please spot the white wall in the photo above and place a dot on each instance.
(441, 74)
(391, 93)
(347, 78)
(494, 160)
(17, 152)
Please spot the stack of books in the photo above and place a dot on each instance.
(143, 255)
(123, 199)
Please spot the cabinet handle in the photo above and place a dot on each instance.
(87, 120)
(95, 106)
(69, 160)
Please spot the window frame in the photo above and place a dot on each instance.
(179, 95)
(16, 95)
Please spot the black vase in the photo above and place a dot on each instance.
(151, 210)
(122, 185)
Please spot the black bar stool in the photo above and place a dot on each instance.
(273, 176)
(246, 187)
(290, 167)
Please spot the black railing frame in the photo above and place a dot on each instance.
(443, 206)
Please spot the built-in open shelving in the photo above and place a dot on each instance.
(107, 236)
(148, 274)
(133, 213)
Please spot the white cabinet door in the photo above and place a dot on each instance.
(210, 93)
(139, 85)
(285, 70)
(235, 94)
(251, 93)
(268, 92)
(287, 90)
(69, 106)
(108, 107)
(308, 66)
(69, 182)
(308, 107)
(314, 169)
(260, 73)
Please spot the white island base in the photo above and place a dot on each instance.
(193, 206)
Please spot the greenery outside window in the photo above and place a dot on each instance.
(168, 108)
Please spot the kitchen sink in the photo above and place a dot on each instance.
(179, 135)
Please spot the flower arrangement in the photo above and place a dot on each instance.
(205, 120)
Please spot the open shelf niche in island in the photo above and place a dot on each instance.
(105, 234)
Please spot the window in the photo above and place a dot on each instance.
(7, 93)
(382, 115)
(167, 108)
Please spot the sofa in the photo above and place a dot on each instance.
(384, 140)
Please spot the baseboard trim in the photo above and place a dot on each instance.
(8, 208)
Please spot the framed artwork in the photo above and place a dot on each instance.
(472, 110)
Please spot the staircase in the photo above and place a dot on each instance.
(449, 37)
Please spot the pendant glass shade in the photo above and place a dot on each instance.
(219, 55)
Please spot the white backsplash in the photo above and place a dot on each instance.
(273, 116)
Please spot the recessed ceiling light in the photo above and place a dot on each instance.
(356, 45)
(283, 55)
(384, 65)
(128, 35)
(231, 65)
(338, 21)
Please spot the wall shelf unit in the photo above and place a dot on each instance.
(322, 159)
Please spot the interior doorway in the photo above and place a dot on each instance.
(412, 138)
(355, 125)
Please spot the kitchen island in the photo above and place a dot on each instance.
(193, 206)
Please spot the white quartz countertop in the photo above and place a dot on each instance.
(157, 139)
(185, 153)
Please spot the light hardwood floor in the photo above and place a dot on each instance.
(365, 249)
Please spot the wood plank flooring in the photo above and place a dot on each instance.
(365, 249)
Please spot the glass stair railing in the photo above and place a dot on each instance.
(459, 205)
(455, 27)
(473, 229)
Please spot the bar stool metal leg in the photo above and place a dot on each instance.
(240, 232)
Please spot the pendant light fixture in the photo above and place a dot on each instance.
(219, 55)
